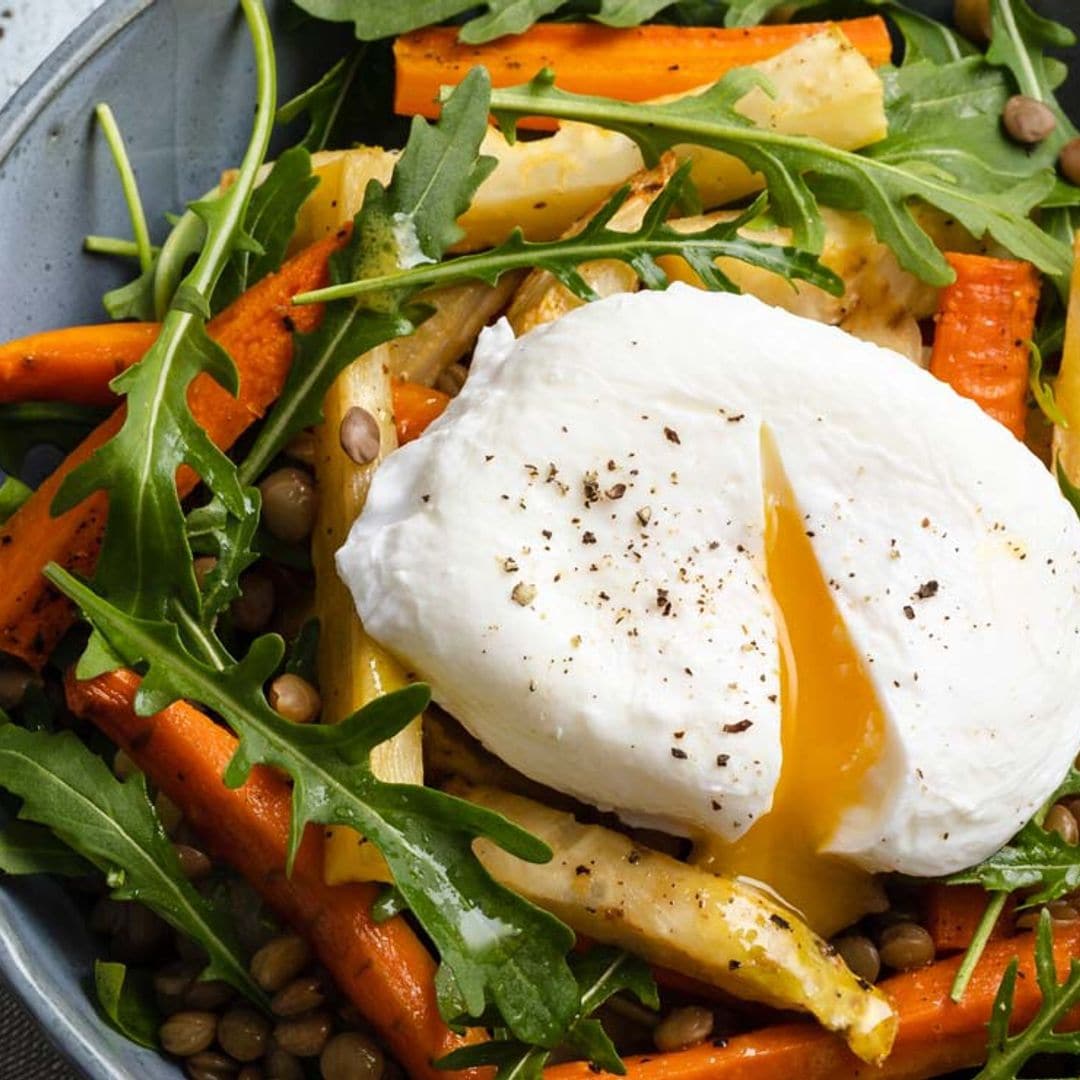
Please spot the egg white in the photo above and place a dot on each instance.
(636, 664)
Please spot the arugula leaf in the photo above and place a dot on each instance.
(304, 653)
(601, 973)
(946, 119)
(1018, 43)
(112, 824)
(31, 849)
(412, 220)
(495, 947)
(1019, 38)
(624, 13)
(1008, 1054)
(50, 423)
(322, 103)
(596, 240)
(799, 170)
(375, 19)
(270, 223)
(139, 565)
(13, 493)
(127, 1000)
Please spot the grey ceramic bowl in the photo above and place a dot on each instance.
(179, 75)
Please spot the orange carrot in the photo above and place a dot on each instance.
(985, 320)
(77, 364)
(384, 968)
(256, 331)
(73, 365)
(415, 407)
(952, 913)
(936, 1035)
(631, 65)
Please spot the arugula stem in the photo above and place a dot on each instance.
(490, 266)
(113, 245)
(115, 139)
(978, 945)
(1026, 78)
(212, 650)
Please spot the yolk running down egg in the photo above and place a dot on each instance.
(848, 646)
(832, 731)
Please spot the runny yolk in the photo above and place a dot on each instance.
(832, 731)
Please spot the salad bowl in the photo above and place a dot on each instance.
(179, 74)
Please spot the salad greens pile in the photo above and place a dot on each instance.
(503, 962)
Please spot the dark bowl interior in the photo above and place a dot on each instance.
(179, 75)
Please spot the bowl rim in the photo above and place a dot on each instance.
(63, 1031)
(61, 65)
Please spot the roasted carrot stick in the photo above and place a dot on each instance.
(384, 968)
(632, 65)
(952, 913)
(936, 1035)
(73, 365)
(76, 365)
(415, 407)
(985, 320)
(257, 332)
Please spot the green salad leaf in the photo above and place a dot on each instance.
(945, 119)
(13, 493)
(33, 849)
(496, 948)
(140, 565)
(322, 103)
(800, 171)
(601, 973)
(270, 222)
(127, 1000)
(112, 824)
(1019, 40)
(1008, 1054)
(597, 240)
(486, 21)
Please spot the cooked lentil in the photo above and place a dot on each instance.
(1061, 821)
(682, 1028)
(1028, 121)
(352, 1056)
(304, 1036)
(244, 1033)
(279, 962)
(906, 946)
(289, 504)
(861, 956)
(253, 609)
(298, 997)
(295, 699)
(188, 1033)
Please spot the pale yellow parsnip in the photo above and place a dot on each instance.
(1067, 384)
(353, 669)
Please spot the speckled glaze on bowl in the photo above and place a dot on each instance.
(178, 73)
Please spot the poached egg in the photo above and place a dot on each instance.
(739, 576)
